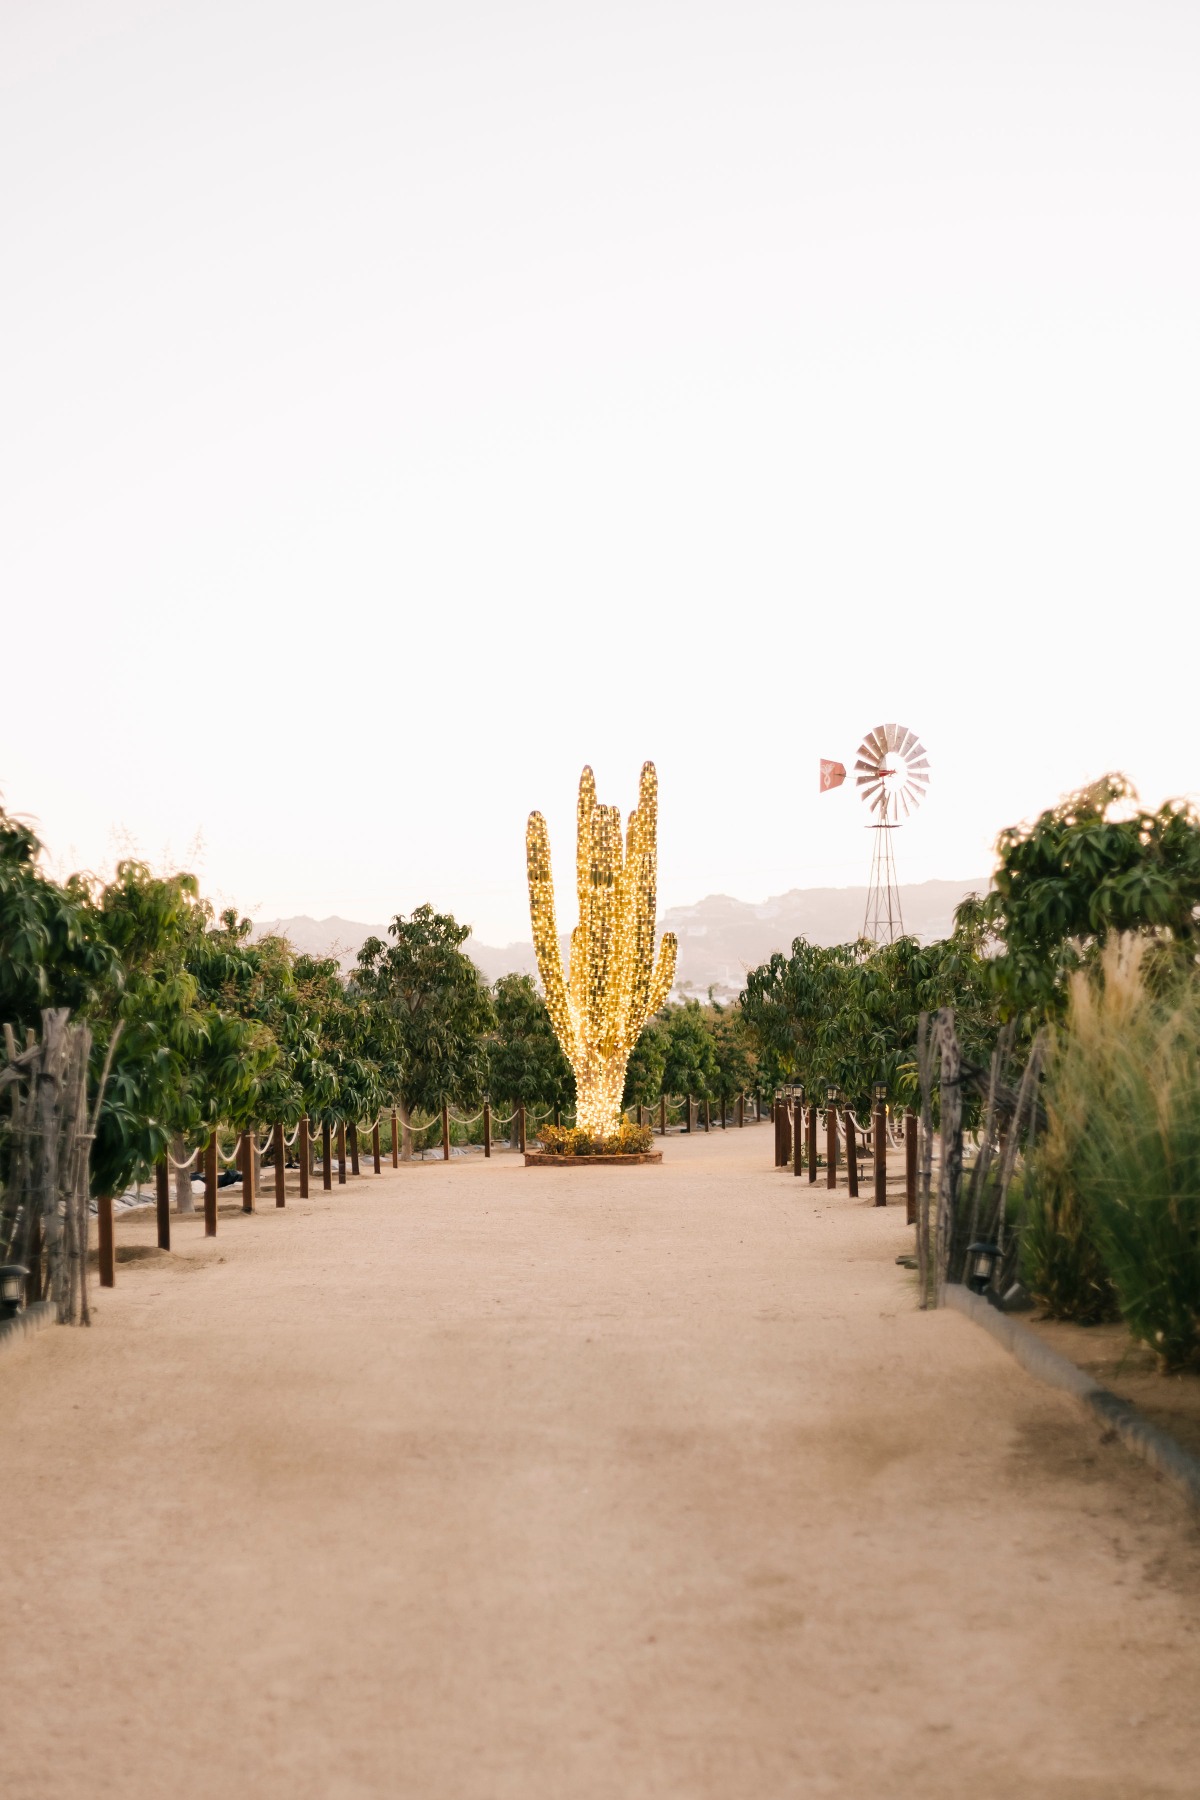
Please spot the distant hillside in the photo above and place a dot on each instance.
(719, 937)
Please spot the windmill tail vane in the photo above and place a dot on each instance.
(891, 774)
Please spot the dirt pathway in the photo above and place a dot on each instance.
(484, 1483)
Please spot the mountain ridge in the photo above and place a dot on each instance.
(720, 937)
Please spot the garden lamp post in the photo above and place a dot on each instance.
(981, 1266)
(831, 1100)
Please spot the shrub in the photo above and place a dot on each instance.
(569, 1140)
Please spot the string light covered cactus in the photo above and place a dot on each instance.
(615, 984)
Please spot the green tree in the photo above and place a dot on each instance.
(526, 1065)
(1076, 876)
(690, 1062)
(439, 1006)
(645, 1068)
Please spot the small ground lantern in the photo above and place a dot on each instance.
(831, 1093)
(12, 1289)
(981, 1266)
(880, 1092)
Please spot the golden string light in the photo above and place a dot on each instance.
(600, 1011)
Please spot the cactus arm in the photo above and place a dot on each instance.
(664, 975)
(545, 935)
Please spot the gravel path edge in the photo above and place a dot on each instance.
(1156, 1447)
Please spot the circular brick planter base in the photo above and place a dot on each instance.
(546, 1159)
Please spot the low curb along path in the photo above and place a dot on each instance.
(493, 1483)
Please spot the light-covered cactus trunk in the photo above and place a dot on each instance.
(615, 984)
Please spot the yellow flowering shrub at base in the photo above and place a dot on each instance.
(569, 1140)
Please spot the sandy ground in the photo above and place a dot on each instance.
(505, 1484)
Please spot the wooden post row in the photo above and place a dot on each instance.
(812, 1141)
(830, 1145)
(352, 1134)
(326, 1157)
(280, 1152)
(375, 1147)
(341, 1152)
(303, 1143)
(797, 1136)
(395, 1140)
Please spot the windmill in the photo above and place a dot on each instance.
(892, 774)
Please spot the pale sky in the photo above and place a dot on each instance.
(405, 404)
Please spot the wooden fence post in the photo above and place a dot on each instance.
(341, 1152)
(707, 1115)
(558, 1117)
(851, 1155)
(487, 1128)
(662, 1115)
(777, 1115)
(280, 1151)
(375, 1147)
(879, 1150)
(162, 1202)
(305, 1156)
(812, 1141)
(445, 1131)
(830, 1144)
(326, 1157)
(798, 1133)
(521, 1126)
(107, 1256)
(724, 1112)
(246, 1150)
(395, 1140)
(353, 1136)
(210, 1186)
(741, 1116)
(910, 1165)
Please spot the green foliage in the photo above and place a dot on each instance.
(48, 954)
(438, 1005)
(569, 1140)
(848, 1013)
(525, 1062)
(690, 1054)
(644, 1070)
(736, 1066)
(1078, 875)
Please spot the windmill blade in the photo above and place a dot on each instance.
(917, 762)
(879, 799)
(901, 800)
(873, 767)
(891, 735)
(876, 741)
(907, 742)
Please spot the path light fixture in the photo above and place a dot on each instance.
(12, 1289)
(879, 1090)
(831, 1093)
(981, 1262)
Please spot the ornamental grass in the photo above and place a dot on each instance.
(1113, 1215)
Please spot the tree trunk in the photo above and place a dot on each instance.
(185, 1200)
(405, 1130)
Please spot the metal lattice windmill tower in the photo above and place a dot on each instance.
(892, 774)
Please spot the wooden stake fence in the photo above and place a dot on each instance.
(279, 1150)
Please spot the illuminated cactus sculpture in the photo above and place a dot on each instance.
(615, 984)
